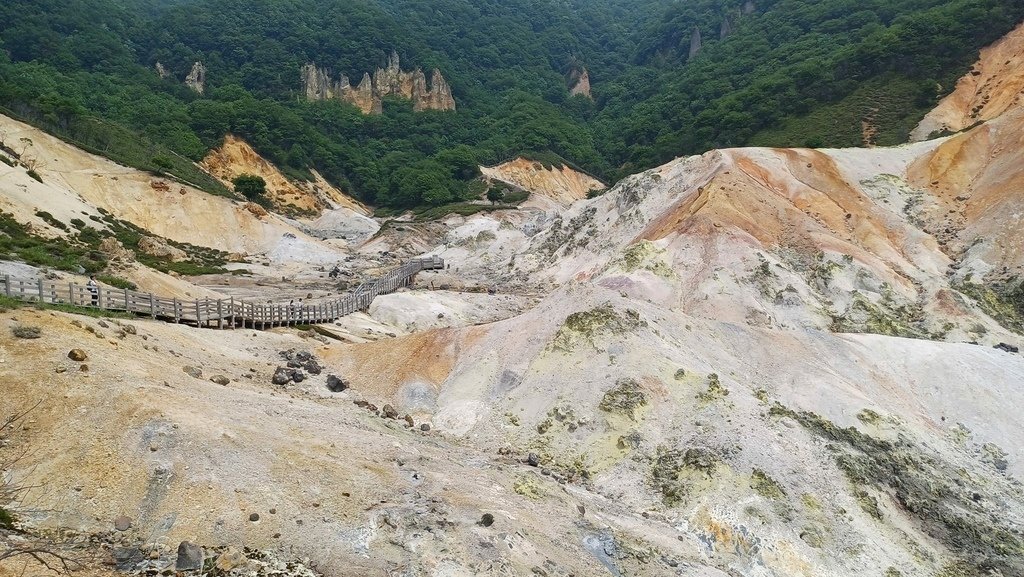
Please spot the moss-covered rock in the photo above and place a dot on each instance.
(765, 486)
(625, 398)
(715, 390)
(585, 327)
(672, 467)
(953, 509)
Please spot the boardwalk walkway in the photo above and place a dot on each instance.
(218, 313)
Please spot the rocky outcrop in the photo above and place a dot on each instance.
(161, 71)
(579, 82)
(196, 79)
(695, 44)
(749, 7)
(726, 29)
(159, 248)
(368, 96)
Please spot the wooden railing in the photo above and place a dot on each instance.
(217, 313)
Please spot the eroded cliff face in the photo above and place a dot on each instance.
(993, 86)
(389, 81)
(196, 79)
(579, 82)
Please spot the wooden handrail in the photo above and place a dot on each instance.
(220, 313)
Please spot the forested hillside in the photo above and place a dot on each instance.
(782, 72)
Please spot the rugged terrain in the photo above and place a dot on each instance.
(756, 362)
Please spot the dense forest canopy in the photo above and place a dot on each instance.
(766, 72)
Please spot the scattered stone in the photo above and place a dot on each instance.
(282, 376)
(312, 367)
(190, 557)
(336, 384)
(533, 459)
(408, 420)
(425, 427)
(103, 324)
(294, 365)
(220, 379)
(303, 356)
(298, 376)
(77, 355)
(230, 559)
(486, 521)
(84, 368)
(194, 372)
(122, 523)
(254, 517)
(130, 329)
(61, 369)
(390, 412)
(1006, 347)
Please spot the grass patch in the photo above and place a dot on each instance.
(82, 249)
(459, 208)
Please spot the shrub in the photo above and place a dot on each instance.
(35, 175)
(23, 332)
(117, 282)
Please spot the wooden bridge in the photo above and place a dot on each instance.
(218, 313)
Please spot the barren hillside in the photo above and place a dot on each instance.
(753, 362)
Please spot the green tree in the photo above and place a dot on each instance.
(495, 195)
(251, 186)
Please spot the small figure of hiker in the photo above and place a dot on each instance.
(291, 310)
(94, 288)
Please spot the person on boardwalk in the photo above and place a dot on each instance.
(94, 288)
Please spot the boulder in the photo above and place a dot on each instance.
(114, 250)
(190, 557)
(77, 355)
(122, 523)
(194, 372)
(336, 384)
(220, 379)
(390, 412)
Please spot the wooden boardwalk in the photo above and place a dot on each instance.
(218, 313)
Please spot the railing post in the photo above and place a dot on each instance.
(126, 299)
(99, 296)
(152, 304)
(42, 296)
(232, 312)
(199, 316)
(220, 313)
(71, 293)
(7, 284)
